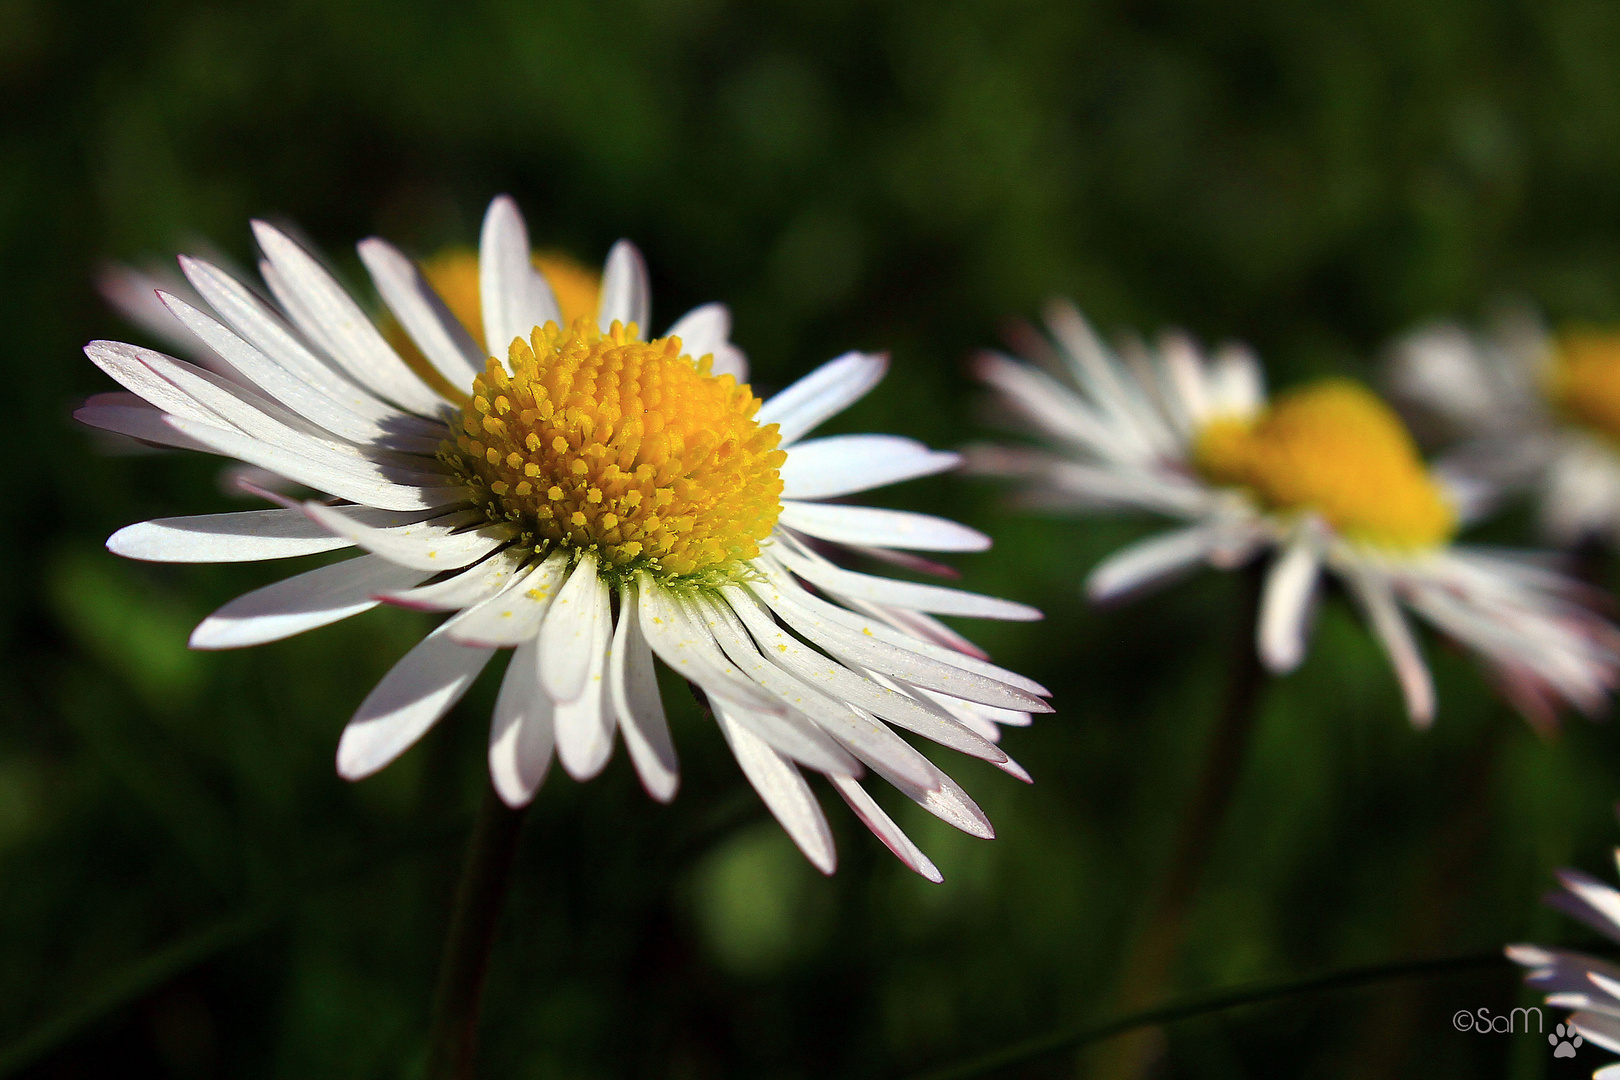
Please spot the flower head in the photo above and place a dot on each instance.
(590, 498)
(1522, 409)
(1322, 479)
(1574, 980)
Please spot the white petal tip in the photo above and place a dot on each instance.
(351, 765)
(513, 795)
(1015, 770)
(120, 542)
(1280, 660)
(209, 636)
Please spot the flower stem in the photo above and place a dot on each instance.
(485, 874)
(1153, 954)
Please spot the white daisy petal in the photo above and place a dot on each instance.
(706, 331)
(918, 625)
(842, 684)
(880, 528)
(243, 409)
(1150, 563)
(141, 422)
(292, 391)
(302, 602)
(521, 734)
(784, 728)
(249, 317)
(637, 704)
(884, 828)
(1055, 409)
(436, 331)
(210, 399)
(800, 740)
(355, 342)
(247, 536)
(464, 589)
(1601, 909)
(1598, 1028)
(844, 464)
(1285, 606)
(346, 480)
(128, 366)
(1184, 372)
(134, 295)
(937, 793)
(935, 598)
(434, 544)
(585, 724)
(570, 636)
(825, 392)
(410, 699)
(785, 792)
(881, 648)
(515, 298)
(626, 296)
(865, 736)
(1236, 385)
(692, 654)
(515, 613)
(1377, 600)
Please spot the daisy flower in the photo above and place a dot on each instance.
(591, 500)
(1528, 411)
(1323, 480)
(1576, 981)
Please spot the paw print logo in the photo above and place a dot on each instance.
(1565, 1041)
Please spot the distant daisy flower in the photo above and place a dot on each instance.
(1529, 411)
(594, 500)
(1576, 981)
(1324, 476)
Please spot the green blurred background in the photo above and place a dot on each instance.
(186, 888)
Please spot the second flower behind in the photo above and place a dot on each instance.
(1322, 479)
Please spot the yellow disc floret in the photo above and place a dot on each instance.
(1332, 448)
(627, 447)
(1584, 381)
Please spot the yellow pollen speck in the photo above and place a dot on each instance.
(1583, 380)
(628, 447)
(1333, 448)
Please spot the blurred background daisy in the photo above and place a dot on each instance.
(902, 176)
(1521, 410)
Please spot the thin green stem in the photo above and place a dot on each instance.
(1077, 1037)
(485, 874)
(1148, 965)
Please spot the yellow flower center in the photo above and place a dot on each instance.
(1584, 381)
(627, 447)
(453, 273)
(1334, 449)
